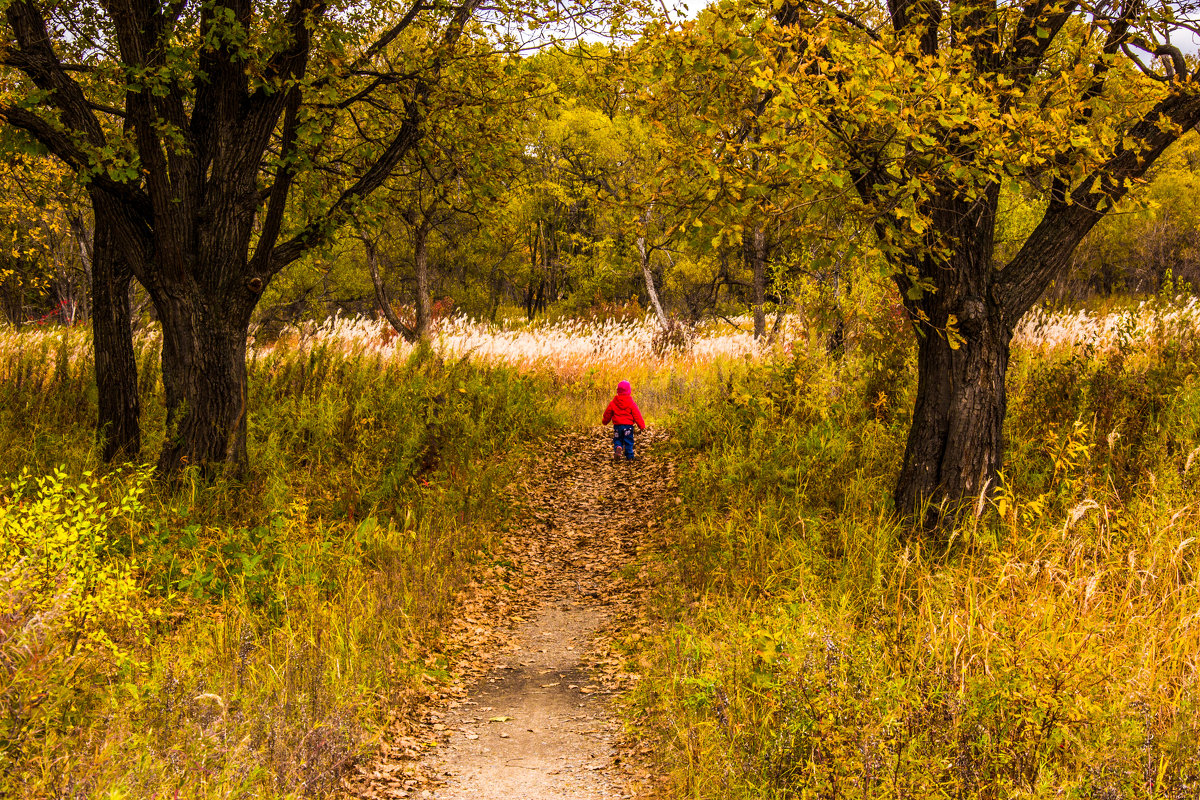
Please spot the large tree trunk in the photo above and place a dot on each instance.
(117, 427)
(204, 373)
(955, 443)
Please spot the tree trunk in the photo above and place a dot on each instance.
(84, 241)
(204, 373)
(955, 443)
(493, 292)
(756, 255)
(649, 278)
(647, 274)
(117, 427)
(421, 267)
(777, 325)
(836, 342)
(381, 295)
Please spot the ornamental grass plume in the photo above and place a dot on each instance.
(568, 348)
(1044, 330)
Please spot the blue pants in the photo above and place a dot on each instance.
(623, 440)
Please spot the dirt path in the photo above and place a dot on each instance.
(538, 722)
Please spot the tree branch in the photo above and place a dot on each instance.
(411, 130)
(280, 188)
(35, 57)
(60, 143)
(320, 229)
(1025, 55)
(1063, 226)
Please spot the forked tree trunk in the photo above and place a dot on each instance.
(955, 443)
(381, 295)
(204, 374)
(117, 428)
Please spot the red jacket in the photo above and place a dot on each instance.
(622, 410)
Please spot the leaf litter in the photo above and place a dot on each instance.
(535, 670)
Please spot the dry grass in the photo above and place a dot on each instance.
(260, 632)
(810, 646)
(1047, 648)
(1042, 330)
(569, 349)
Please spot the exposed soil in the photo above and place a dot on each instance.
(532, 715)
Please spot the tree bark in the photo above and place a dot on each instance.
(647, 274)
(493, 292)
(204, 373)
(117, 428)
(84, 242)
(421, 267)
(777, 325)
(955, 443)
(836, 342)
(756, 256)
(649, 278)
(214, 177)
(381, 296)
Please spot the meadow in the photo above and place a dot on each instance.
(254, 638)
(1044, 646)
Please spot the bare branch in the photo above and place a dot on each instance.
(36, 58)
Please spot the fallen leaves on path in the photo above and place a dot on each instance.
(582, 523)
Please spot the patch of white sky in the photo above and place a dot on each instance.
(593, 26)
(1185, 36)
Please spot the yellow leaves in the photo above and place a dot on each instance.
(953, 337)
(50, 527)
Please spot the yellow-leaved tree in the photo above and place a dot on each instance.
(920, 115)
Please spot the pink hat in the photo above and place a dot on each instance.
(624, 388)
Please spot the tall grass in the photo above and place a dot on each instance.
(222, 640)
(1044, 649)
(212, 639)
(586, 359)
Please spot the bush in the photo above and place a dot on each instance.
(74, 616)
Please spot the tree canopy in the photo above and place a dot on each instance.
(960, 150)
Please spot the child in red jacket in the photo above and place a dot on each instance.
(623, 413)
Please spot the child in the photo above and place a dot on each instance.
(624, 414)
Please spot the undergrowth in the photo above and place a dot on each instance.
(814, 648)
(222, 639)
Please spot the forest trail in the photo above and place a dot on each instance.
(533, 715)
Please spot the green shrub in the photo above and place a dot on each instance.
(75, 614)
